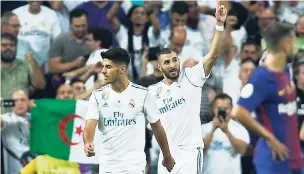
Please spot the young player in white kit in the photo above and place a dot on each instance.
(176, 100)
(119, 110)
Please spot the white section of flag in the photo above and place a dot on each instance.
(77, 151)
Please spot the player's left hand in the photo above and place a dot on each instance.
(169, 163)
(220, 13)
(278, 149)
(224, 124)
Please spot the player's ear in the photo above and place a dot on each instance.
(123, 68)
(286, 45)
(159, 67)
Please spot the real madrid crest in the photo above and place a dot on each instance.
(105, 95)
(132, 103)
(158, 91)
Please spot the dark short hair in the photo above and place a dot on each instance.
(163, 51)
(222, 96)
(76, 13)
(76, 80)
(6, 17)
(103, 35)
(180, 7)
(116, 54)
(275, 32)
(10, 37)
(249, 59)
(249, 43)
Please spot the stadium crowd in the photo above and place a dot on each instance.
(51, 49)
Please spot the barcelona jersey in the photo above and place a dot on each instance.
(271, 96)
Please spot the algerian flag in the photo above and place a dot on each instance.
(57, 130)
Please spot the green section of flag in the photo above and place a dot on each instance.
(44, 132)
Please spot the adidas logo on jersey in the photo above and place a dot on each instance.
(105, 105)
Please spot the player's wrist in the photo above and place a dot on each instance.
(219, 27)
(167, 156)
(219, 23)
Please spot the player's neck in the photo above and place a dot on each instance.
(120, 85)
(275, 62)
(35, 11)
(169, 81)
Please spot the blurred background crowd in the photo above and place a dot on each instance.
(50, 49)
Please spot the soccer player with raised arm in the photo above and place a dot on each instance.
(176, 101)
(270, 94)
(119, 110)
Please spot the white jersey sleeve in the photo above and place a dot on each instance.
(196, 74)
(93, 112)
(151, 112)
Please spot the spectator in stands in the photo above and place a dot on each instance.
(225, 140)
(64, 92)
(198, 35)
(179, 16)
(10, 24)
(161, 13)
(69, 50)
(300, 32)
(136, 37)
(156, 76)
(15, 132)
(255, 8)
(62, 13)
(289, 11)
(98, 40)
(39, 26)
(299, 83)
(264, 18)
(250, 50)
(15, 73)
(77, 86)
(80, 91)
(98, 14)
(177, 40)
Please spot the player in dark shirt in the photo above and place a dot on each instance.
(270, 95)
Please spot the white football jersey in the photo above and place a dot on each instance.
(122, 124)
(15, 133)
(178, 107)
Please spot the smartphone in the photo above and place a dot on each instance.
(153, 52)
(222, 113)
(7, 103)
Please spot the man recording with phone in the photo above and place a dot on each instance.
(15, 132)
(225, 139)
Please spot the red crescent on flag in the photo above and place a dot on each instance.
(62, 126)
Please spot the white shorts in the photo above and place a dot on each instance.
(138, 171)
(186, 162)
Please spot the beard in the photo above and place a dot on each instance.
(8, 56)
(172, 74)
